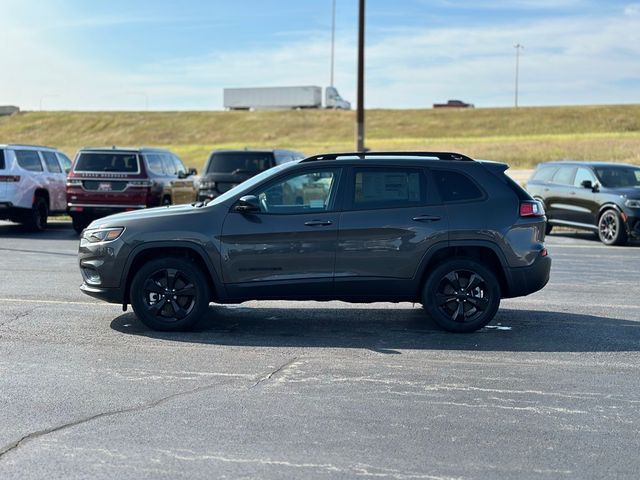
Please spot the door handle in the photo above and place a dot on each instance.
(426, 218)
(317, 223)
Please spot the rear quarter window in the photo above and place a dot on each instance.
(544, 174)
(29, 160)
(455, 186)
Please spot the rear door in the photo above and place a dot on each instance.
(561, 195)
(389, 221)
(290, 243)
(56, 181)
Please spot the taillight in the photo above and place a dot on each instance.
(531, 209)
(9, 178)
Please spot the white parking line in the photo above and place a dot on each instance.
(55, 302)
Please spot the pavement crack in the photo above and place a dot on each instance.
(18, 316)
(138, 408)
(270, 375)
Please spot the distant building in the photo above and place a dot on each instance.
(8, 110)
(454, 104)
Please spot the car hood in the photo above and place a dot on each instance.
(147, 214)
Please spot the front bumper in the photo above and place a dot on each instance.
(102, 265)
(110, 295)
(522, 281)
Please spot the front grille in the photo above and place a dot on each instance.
(102, 186)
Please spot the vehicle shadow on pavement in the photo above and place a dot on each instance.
(56, 230)
(391, 330)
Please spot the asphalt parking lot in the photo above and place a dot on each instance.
(309, 390)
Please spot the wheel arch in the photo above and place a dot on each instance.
(155, 250)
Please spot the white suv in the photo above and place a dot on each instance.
(32, 184)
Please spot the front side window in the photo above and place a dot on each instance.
(64, 161)
(301, 193)
(51, 161)
(455, 186)
(29, 160)
(178, 165)
(583, 174)
(154, 164)
(387, 188)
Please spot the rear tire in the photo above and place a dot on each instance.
(166, 201)
(169, 294)
(461, 295)
(611, 228)
(36, 218)
(548, 228)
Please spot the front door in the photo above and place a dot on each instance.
(390, 220)
(287, 248)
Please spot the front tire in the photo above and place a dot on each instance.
(611, 228)
(169, 294)
(461, 295)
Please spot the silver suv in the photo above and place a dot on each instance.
(32, 184)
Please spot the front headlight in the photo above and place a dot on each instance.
(206, 185)
(102, 235)
(632, 203)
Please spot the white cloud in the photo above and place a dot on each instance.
(567, 60)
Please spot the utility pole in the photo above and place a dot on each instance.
(333, 40)
(518, 47)
(360, 111)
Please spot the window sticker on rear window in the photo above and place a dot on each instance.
(107, 162)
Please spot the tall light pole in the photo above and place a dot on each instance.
(333, 40)
(518, 47)
(360, 111)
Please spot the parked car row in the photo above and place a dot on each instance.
(36, 182)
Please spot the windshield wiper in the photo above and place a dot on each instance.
(240, 170)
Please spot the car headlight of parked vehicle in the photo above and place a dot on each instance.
(632, 203)
(102, 235)
(206, 185)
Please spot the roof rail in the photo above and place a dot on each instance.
(28, 145)
(364, 155)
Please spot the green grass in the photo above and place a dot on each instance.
(520, 137)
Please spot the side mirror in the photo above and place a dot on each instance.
(587, 184)
(192, 171)
(182, 175)
(247, 204)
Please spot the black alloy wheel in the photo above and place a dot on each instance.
(462, 295)
(169, 294)
(611, 229)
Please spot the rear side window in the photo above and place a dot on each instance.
(387, 188)
(154, 164)
(564, 175)
(107, 162)
(2, 164)
(544, 174)
(455, 186)
(29, 160)
(51, 161)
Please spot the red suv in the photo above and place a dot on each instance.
(103, 181)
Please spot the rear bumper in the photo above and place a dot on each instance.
(525, 280)
(99, 211)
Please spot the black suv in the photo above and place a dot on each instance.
(601, 197)
(227, 168)
(454, 234)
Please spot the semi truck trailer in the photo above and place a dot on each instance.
(282, 98)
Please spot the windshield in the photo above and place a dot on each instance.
(240, 162)
(249, 184)
(618, 177)
(107, 162)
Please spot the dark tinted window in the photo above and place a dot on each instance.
(564, 175)
(454, 186)
(583, 174)
(2, 164)
(544, 174)
(107, 162)
(381, 187)
(240, 162)
(51, 161)
(619, 177)
(29, 160)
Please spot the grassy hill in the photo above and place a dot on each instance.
(520, 137)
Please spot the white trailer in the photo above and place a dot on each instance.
(272, 98)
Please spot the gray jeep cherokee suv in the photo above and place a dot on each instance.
(454, 234)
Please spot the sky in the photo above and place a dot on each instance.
(179, 55)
